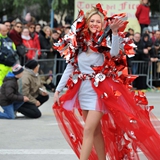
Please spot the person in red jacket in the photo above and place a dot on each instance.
(28, 42)
(15, 33)
(142, 14)
(35, 37)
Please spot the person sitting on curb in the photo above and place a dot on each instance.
(30, 85)
(10, 98)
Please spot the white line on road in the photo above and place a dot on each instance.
(36, 151)
(40, 151)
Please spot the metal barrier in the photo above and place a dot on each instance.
(36, 53)
(57, 65)
(149, 69)
(154, 75)
(142, 68)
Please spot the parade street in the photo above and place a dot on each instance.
(41, 139)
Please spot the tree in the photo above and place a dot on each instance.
(41, 9)
(15, 10)
(63, 7)
(155, 6)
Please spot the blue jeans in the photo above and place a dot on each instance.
(9, 110)
(135, 68)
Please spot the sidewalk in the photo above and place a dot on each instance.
(41, 139)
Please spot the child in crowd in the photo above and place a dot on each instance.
(49, 84)
(10, 98)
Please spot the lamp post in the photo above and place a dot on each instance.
(50, 2)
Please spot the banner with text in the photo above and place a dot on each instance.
(113, 7)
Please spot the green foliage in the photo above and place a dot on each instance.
(63, 6)
(155, 6)
(14, 8)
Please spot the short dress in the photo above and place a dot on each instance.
(87, 96)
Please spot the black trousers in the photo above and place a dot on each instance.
(142, 26)
(31, 110)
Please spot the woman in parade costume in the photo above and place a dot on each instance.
(117, 120)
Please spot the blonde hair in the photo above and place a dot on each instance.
(47, 27)
(44, 30)
(92, 12)
(148, 3)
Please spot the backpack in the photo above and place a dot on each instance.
(8, 56)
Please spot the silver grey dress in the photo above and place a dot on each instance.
(86, 94)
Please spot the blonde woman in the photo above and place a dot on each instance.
(115, 123)
(46, 40)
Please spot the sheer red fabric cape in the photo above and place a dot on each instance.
(128, 125)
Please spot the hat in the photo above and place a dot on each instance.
(17, 69)
(31, 64)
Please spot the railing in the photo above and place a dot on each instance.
(56, 67)
(148, 69)
(154, 75)
(48, 66)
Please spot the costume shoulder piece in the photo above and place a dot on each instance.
(78, 37)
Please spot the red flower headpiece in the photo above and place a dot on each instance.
(99, 8)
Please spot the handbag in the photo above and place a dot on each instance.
(8, 56)
(21, 50)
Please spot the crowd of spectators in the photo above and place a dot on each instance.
(147, 49)
(35, 41)
(28, 42)
(38, 43)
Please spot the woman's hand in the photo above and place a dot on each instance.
(56, 98)
(115, 24)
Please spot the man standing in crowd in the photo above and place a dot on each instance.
(8, 25)
(8, 54)
(15, 35)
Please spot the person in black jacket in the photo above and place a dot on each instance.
(10, 98)
(46, 41)
(46, 44)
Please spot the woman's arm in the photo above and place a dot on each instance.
(115, 45)
(138, 11)
(115, 25)
(68, 71)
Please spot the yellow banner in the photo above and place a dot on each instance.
(113, 7)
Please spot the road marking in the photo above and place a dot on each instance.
(36, 151)
(40, 151)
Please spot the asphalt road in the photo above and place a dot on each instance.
(41, 139)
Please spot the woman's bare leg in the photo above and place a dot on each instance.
(92, 120)
(99, 143)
